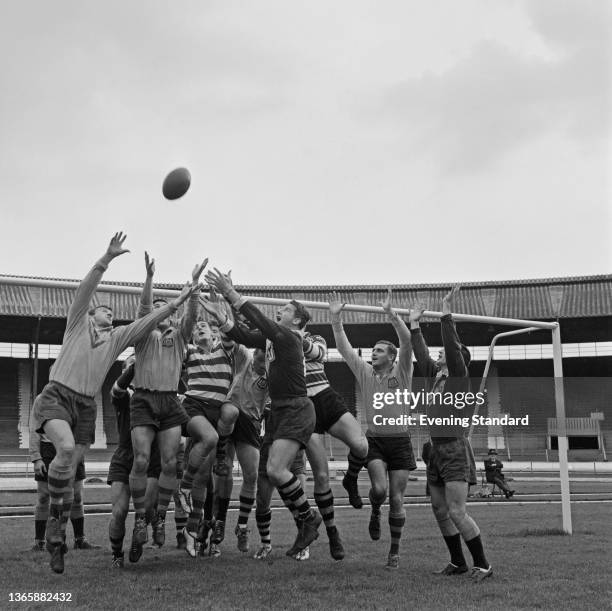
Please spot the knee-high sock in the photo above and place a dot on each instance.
(452, 538)
(294, 498)
(59, 481)
(116, 533)
(477, 551)
(325, 503)
(180, 517)
(263, 526)
(355, 464)
(167, 484)
(67, 506)
(138, 490)
(222, 507)
(396, 526)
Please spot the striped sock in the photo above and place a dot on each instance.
(198, 494)
(246, 504)
(167, 484)
(116, 532)
(59, 481)
(67, 506)
(294, 498)
(264, 521)
(396, 525)
(138, 489)
(354, 465)
(325, 503)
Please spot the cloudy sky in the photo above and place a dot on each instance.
(345, 142)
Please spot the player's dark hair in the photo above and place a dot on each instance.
(160, 300)
(301, 312)
(391, 347)
(101, 305)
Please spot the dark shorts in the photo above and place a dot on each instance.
(247, 430)
(452, 461)
(200, 407)
(58, 402)
(329, 408)
(121, 464)
(292, 419)
(298, 467)
(395, 451)
(47, 453)
(161, 410)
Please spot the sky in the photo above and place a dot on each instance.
(345, 142)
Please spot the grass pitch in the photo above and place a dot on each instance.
(533, 567)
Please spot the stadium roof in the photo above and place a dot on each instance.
(542, 299)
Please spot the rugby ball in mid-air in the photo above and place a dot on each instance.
(176, 183)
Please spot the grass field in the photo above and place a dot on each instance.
(533, 567)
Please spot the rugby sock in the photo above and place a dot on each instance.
(221, 446)
(197, 503)
(222, 507)
(263, 526)
(67, 506)
(325, 503)
(39, 529)
(294, 498)
(396, 526)
(116, 533)
(180, 517)
(209, 503)
(78, 527)
(59, 481)
(167, 484)
(77, 506)
(453, 542)
(196, 458)
(138, 490)
(355, 465)
(477, 551)
(246, 504)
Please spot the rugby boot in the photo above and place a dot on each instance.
(350, 485)
(303, 555)
(180, 540)
(392, 562)
(159, 530)
(39, 546)
(243, 538)
(478, 574)
(139, 538)
(83, 543)
(117, 562)
(308, 530)
(190, 543)
(218, 532)
(336, 549)
(452, 569)
(221, 468)
(263, 552)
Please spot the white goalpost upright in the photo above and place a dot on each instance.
(509, 322)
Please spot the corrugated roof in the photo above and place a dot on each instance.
(574, 297)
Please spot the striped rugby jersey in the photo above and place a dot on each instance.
(209, 375)
(315, 353)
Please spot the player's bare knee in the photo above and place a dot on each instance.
(229, 414)
(378, 494)
(168, 466)
(65, 452)
(141, 463)
(360, 449)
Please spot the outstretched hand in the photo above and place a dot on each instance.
(115, 248)
(197, 271)
(447, 301)
(386, 303)
(187, 291)
(416, 313)
(336, 305)
(149, 265)
(214, 306)
(220, 281)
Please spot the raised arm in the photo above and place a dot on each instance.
(403, 333)
(146, 297)
(427, 365)
(85, 292)
(342, 342)
(190, 316)
(450, 338)
(222, 283)
(315, 348)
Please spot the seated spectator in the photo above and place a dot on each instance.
(494, 475)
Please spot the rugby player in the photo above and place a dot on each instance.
(390, 450)
(65, 410)
(292, 416)
(42, 453)
(333, 417)
(451, 468)
(155, 411)
(120, 467)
